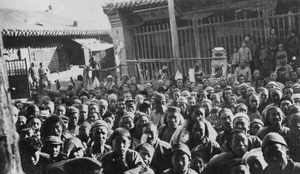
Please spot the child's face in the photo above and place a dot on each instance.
(84, 133)
(232, 100)
(53, 149)
(255, 128)
(109, 121)
(128, 123)
(275, 117)
(255, 165)
(243, 44)
(146, 155)
(280, 48)
(197, 164)
(121, 144)
(198, 131)
(180, 161)
(173, 120)
(93, 117)
(294, 125)
(275, 155)
(240, 169)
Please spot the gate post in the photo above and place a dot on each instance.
(10, 162)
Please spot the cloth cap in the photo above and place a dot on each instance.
(25, 128)
(83, 107)
(129, 115)
(206, 100)
(244, 85)
(103, 102)
(129, 102)
(100, 123)
(85, 165)
(112, 96)
(148, 85)
(296, 85)
(256, 121)
(281, 69)
(22, 118)
(282, 56)
(280, 45)
(164, 68)
(86, 125)
(146, 146)
(182, 148)
(65, 119)
(243, 59)
(272, 83)
(44, 113)
(109, 76)
(139, 115)
(209, 88)
(160, 81)
(241, 115)
(173, 109)
(53, 140)
(73, 110)
(185, 92)
(294, 96)
(176, 89)
(182, 99)
(160, 97)
(273, 138)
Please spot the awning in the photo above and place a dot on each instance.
(94, 44)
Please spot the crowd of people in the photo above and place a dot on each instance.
(242, 123)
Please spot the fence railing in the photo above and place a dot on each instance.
(153, 49)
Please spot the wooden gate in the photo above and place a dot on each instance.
(18, 78)
(152, 46)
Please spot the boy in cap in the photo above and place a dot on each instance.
(281, 75)
(147, 152)
(284, 64)
(172, 120)
(53, 145)
(83, 113)
(99, 135)
(181, 157)
(281, 53)
(157, 116)
(243, 70)
(73, 126)
(275, 150)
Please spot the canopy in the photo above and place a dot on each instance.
(94, 44)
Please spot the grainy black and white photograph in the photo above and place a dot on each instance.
(149, 87)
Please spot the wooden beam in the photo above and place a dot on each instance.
(174, 34)
(10, 162)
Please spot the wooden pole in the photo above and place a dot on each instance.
(174, 35)
(10, 162)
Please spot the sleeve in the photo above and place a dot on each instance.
(137, 165)
(250, 55)
(249, 75)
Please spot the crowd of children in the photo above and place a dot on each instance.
(245, 123)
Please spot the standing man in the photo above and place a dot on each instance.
(34, 74)
(43, 73)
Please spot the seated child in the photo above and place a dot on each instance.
(255, 126)
(275, 150)
(122, 159)
(181, 157)
(53, 145)
(197, 162)
(147, 152)
(238, 166)
(255, 160)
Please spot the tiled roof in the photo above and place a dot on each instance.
(119, 4)
(40, 23)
